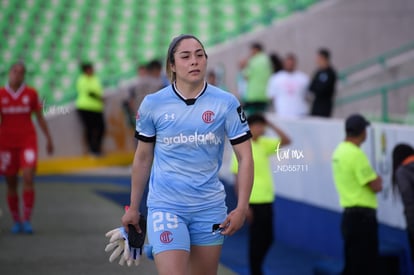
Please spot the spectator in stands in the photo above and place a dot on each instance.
(146, 83)
(18, 144)
(257, 70)
(128, 105)
(215, 77)
(154, 69)
(181, 131)
(241, 86)
(260, 215)
(277, 64)
(288, 88)
(90, 106)
(142, 70)
(357, 183)
(403, 181)
(211, 78)
(323, 85)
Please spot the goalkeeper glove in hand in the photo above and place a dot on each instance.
(128, 244)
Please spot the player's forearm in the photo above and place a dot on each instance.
(376, 184)
(244, 182)
(284, 138)
(95, 95)
(43, 126)
(45, 131)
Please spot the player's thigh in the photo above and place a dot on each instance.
(202, 223)
(170, 240)
(205, 243)
(9, 161)
(28, 156)
(167, 231)
(172, 262)
(204, 260)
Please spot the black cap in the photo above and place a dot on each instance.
(355, 124)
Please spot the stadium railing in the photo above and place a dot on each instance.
(382, 91)
(377, 60)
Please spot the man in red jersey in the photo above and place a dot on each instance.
(18, 143)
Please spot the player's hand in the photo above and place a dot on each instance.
(131, 216)
(233, 222)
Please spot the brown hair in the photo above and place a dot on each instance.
(171, 50)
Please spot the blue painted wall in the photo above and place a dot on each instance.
(317, 230)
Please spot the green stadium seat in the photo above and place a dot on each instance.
(54, 36)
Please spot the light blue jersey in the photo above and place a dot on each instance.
(189, 136)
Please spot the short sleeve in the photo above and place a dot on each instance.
(269, 145)
(145, 128)
(363, 169)
(236, 126)
(36, 104)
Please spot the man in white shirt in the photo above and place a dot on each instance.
(288, 89)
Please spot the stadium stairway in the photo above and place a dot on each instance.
(393, 66)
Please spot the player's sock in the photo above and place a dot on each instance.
(28, 203)
(13, 202)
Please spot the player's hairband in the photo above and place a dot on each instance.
(177, 40)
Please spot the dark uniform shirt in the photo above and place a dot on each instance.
(323, 87)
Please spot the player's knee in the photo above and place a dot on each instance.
(28, 175)
(173, 262)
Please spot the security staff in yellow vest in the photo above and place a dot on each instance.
(90, 105)
(357, 183)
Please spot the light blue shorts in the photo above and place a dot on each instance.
(168, 230)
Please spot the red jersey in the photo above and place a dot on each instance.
(16, 108)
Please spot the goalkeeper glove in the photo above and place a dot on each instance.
(128, 244)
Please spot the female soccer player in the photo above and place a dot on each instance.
(18, 144)
(181, 131)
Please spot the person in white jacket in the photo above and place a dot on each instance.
(288, 89)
